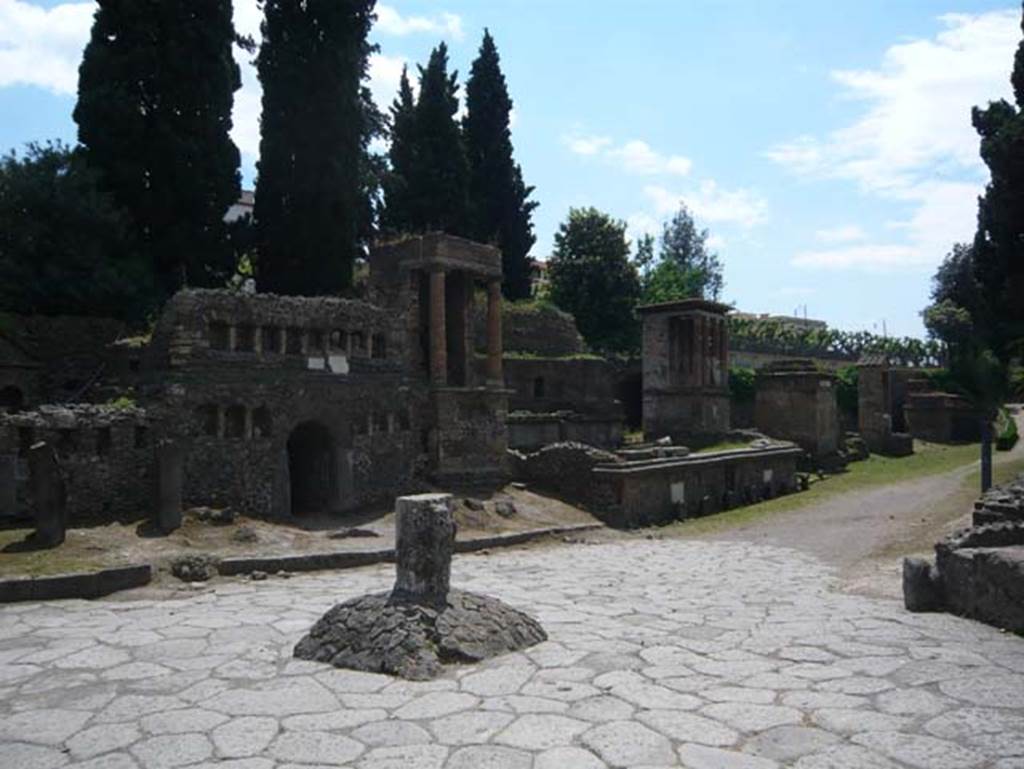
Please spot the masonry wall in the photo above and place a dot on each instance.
(536, 329)
(942, 418)
(106, 455)
(799, 407)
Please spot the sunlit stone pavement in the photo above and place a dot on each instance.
(662, 653)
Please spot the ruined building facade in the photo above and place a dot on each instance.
(288, 405)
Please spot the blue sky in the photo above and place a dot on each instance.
(827, 147)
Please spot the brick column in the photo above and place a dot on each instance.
(438, 336)
(495, 376)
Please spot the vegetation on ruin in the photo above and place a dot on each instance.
(1006, 430)
(313, 206)
(742, 384)
(593, 278)
(684, 266)
(928, 459)
(779, 337)
(155, 91)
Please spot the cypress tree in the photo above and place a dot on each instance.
(397, 216)
(998, 251)
(312, 189)
(500, 211)
(155, 93)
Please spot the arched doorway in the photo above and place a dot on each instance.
(11, 399)
(312, 469)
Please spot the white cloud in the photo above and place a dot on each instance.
(587, 145)
(391, 22)
(710, 203)
(43, 47)
(634, 156)
(914, 143)
(841, 234)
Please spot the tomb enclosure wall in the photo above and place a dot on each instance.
(797, 402)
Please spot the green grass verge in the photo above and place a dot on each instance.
(723, 446)
(928, 459)
(39, 563)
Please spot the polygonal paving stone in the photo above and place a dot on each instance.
(540, 732)
(469, 728)
(506, 679)
(435, 705)
(25, 756)
(182, 721)
(568, 758)
(967, 724)
(601, 709)
(920, 751)
(135, 670)
(243, 737)
(284, 697)
(94, 658)
(405, 757)
(315, 748)
(328, 722)
(390, 734)
(172, 750)
(911, 702)
(651, 696)
(844, 757)
(703, 757)
(739, 694)
(45, 727)
(102, 739)
(131, 706)
(627, 743)
(489, 757)
(805, 700)
(752, 718)
(564, 691)
(1004, 691)
(784, 743)
(856, 685)
(689, 727)
(518, 703)
(121, 761)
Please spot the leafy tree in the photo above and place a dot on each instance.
(315, 174)
(592, 278)
(155, 92)
(65, 247)
(684, 267)
(948, 321)
(499, 209)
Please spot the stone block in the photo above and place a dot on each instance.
(170, 466)
(424, 542)
(49, 495)
(922, 588)
(8, 484)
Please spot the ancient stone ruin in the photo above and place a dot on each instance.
(978, 571)
(422, 623)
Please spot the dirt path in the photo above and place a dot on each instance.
(866, 533)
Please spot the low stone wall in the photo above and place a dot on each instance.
(105, 453)
(537, 329)
(942, 418)
(979, 571)
(642, 492)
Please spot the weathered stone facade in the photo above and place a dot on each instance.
(685, 370)
(881, 392)
(942, 417)
(796, 402)
(286, 405)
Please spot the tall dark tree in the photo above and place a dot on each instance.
(500, 211)
(314, 172)
(397, 216)
(432, 174)
(999, 244)
(155, 92)
(592, 278)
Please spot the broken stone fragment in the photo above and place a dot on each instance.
(922, 588)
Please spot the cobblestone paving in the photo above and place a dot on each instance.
(703, 655)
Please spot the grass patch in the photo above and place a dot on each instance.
(928, 459)
(723, 446)
(38, 563)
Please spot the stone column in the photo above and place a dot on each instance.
(438, 336)
(700, 337)
(723, 354)
(170, 467)
(495, 377)
(49, 495)
(8, 484)
(424, 542)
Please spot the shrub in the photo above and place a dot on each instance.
(1006, 431)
